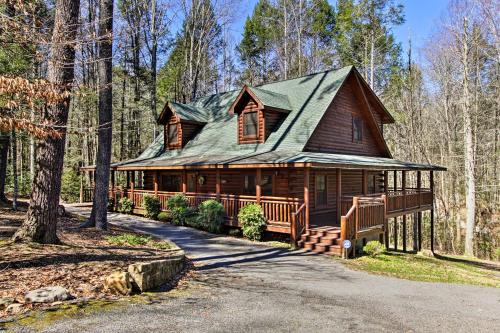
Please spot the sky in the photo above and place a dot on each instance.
(421, 16)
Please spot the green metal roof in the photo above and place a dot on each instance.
(190, 112)
(307, 97)
(272, 99)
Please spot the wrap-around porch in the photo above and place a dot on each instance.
(367, 208)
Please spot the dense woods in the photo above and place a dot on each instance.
(446, 101)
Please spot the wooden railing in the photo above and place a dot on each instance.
(399, 202)
(366, 213)
(298, 225)
(277, 210)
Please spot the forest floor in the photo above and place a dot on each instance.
(440, 268)
(79, 264)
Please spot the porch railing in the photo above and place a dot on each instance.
(282, 211)
(366, 213)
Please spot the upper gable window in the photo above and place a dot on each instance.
(173, 138)
(250, 124)
(357, 129)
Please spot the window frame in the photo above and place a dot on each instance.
(317, 192)
(357, 129)
(246, 181)
(243, 121)
(177, 142)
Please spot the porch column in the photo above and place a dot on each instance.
(184, 181)
(306, 195)
(386, 221)
(403, 187)
(395, 188)
(217, 183)
(132, 184)
(432, 209)
(365, 182)
(155, 182)
(81, 188)
(113, 184)
(339, 195)
(258, 182)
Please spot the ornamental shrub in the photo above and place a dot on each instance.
(252, 221)
(373, 248)
(179, 209)
(164, 216)
(111, 205)
(153, 207)
(211, 216)
(125, 206)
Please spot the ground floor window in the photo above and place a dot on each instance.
(249, 185)
(171, 183)
(321, 193)
(267, 185)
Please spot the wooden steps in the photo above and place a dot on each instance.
(322, 240)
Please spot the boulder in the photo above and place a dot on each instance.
(151, 275)
(5, 302)
(14, 308)
(47, 295)
(118, 283)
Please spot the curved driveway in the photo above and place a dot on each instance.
(246, 287)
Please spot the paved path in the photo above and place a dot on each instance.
(244, 287)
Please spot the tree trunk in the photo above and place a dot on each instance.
(98, 216)
(41, 220)
(14, 169)
(470, 182)
(4, 151)
(154, 55)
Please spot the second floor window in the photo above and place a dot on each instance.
(357, 129)
(172, 134)
(250, 124)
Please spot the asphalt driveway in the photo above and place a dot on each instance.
(246, 287)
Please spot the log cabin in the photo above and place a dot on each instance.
(309, 150)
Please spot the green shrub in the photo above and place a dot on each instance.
(373, 248)
(252, 221)
(153, 207)
(70, 186)
(164, 216)
(125, 206)
(211, 216)
(497, 253)
(235, 232)
(178, 207)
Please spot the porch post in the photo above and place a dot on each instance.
(432, 210)
(132, 184)
(365, 182)
(306, 195)
(386, 220)
(403, 187)
(258, 181)
(339, 194)
(81, 188)
(396, 233)
(184, 181)
(155, 182)
(113, 184)
(217, 183)
(404, 233)
(419, 188)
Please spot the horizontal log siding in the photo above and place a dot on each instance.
(334, 132)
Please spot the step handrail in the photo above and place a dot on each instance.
(294, 232)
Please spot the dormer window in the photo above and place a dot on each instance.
(182, 123)
(251, 125)
(260, 113)
(173, 134)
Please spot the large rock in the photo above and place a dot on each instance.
(118, 283)
(47, 295)
(14, 308)
(151, 275)
(5, 302)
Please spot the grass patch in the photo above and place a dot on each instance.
(277, 244)
(438, 269)
(138, 240)
(4, 242)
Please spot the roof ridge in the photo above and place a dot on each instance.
(302, 76)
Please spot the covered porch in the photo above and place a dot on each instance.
(358, 201)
